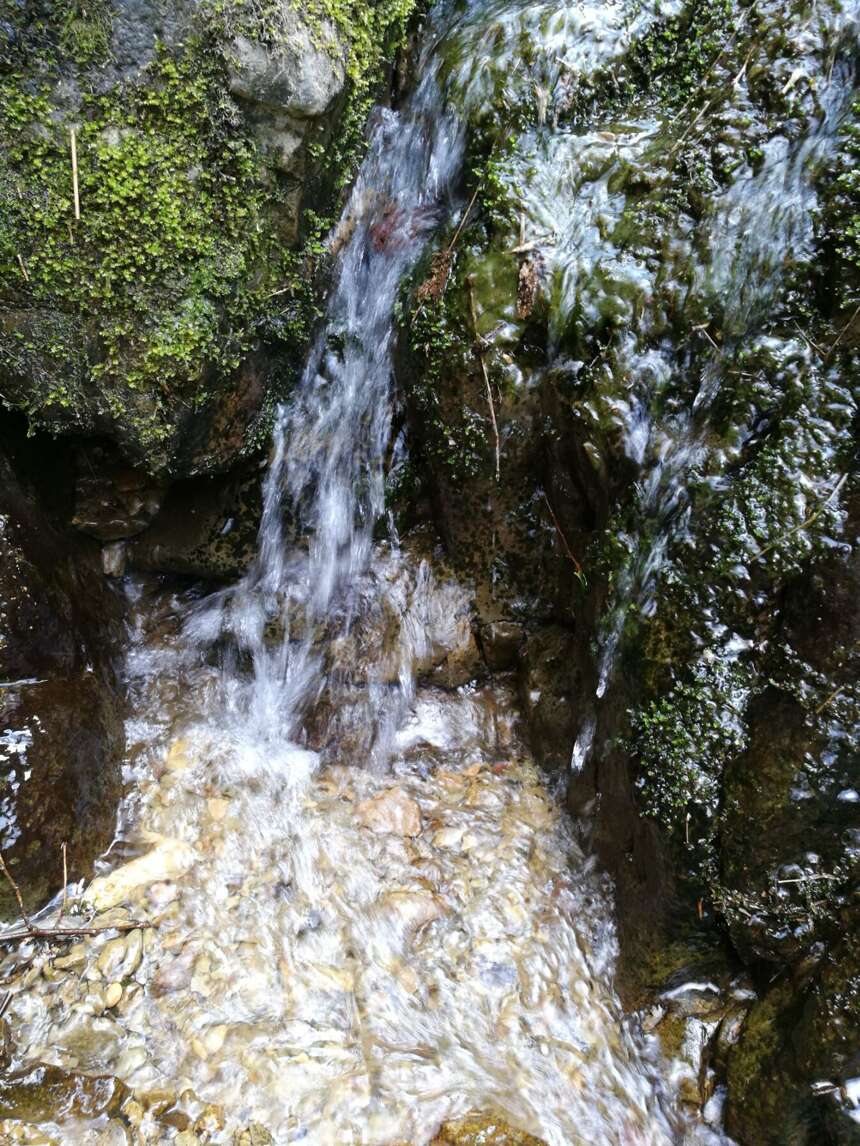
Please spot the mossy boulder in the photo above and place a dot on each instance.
(139, 292)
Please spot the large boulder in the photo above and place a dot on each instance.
(61, 733)
(156, 295)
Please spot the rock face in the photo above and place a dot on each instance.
(649, 472)
(159, 299)
(61, 734)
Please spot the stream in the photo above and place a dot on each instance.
(366, 912)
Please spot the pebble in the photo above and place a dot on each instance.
(75, 958)
(113, 994)
(391, 811)
(129, 1061)
(178, 758)
(217, 807)
(167, 860)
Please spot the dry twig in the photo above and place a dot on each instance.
(580, 574)
(32, 930)
(75, 191)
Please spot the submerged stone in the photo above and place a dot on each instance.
(483, 1130)
(48, 1093)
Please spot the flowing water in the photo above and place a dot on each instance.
(367, 915)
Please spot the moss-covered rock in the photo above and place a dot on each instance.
(136, 294)
(655, 288)
(798, 1049)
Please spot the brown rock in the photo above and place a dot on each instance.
(482, 1130)
(391, 811)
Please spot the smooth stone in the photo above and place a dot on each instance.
(391, 811)
(169, 859)
(113, 994)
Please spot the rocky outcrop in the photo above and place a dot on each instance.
(61, 735)
(641, 456)
(156, 295)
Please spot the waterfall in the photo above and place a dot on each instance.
(354, 954)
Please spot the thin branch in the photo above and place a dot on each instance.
(33, 932)
(23, 267)
(832, 696)
(65, 881)
(480, 356)
(564, 541)
(839, 336)
(16, 889)
(466, 214)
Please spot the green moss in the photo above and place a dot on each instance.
(673, 59)
(84, 30)
(171, 226)
(843, 215)
(177, 265)
(682, 741)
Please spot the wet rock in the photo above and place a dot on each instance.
(114, 559)
(501, 642)
(168, 860)
(796, 1053)
(60, 707)
(391, 811)
(113, 501)
(482, 1130)
(546, 687)
(207, 527)
(48, 1093)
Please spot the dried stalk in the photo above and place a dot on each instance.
(832, 696)
(480, 355)
(564, 541)
(23, 267)
(75, 191)
(16, 889)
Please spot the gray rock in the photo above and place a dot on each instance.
(301, 76)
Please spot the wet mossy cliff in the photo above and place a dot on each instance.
(630, 382)
(168, 170)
